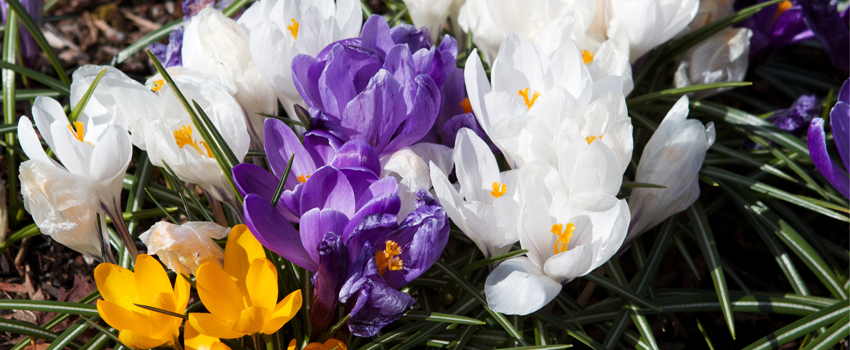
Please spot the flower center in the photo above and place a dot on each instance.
(388, 258)
(293, 28)
(183, 136)
(780, 8)
(78, 133)
(467, 107)
(592, 138)
(524, 94)
(303, 178)
(157, 85)
(499, 189)
(563, 237)
(586, 56)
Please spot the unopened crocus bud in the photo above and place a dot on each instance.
(672, 158)
(722, 58)
(183, 248)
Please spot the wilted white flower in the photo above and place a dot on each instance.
(409, 166)
(183, 248)
(721, 58)
(672, 157)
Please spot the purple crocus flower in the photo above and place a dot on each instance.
(29, 48)
(839, 120)
(830, 28)
(386, 87)
(774, 27)
(347, 218)
(170, 54)
(794, 119)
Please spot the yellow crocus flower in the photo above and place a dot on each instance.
(193, 340)
(242, 295)
(148, 285)
(330, 344)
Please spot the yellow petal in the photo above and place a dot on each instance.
(137, 341)
(164, 326)
(261, 282)
(291, 345)
(252, 320)
(121, 318)
(241, 250)
(208, 324)
(193, 340)
(218, 292)
(285, 310)
(334, 343)
(151, 279)
(181, 293)
(116, 284)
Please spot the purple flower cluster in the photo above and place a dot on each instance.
(794, 119)
(349, 235)
(386, 87)
(839, 121)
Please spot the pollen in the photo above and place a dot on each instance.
(499, 189)
(293, 28)
(78, 133)
(303, 178)
(524, 94)
(592, 138)
(157, 85)
(708, 18)
(183, 136)
(587, 56)
(388, 259)
(780, 8)
(564, 236)
(467, 107)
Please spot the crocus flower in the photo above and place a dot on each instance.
(795, 119)
(649, 23)
(122, 289)
(672, 157)
(382, 88)
(93, 163)
(721, 58)
(330, 344)
(241, 295)
(830, 28)
(282, 29)
(839, 121)
(564, 242)
(430, 14)
(183, 248)
(28, 47)
(218, 47)
(485, 207)
(710, 11)
(170, 54)
(774, 27)
(193, 340)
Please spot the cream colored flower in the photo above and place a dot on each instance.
(183, 248)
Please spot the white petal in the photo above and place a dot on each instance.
(518, 66)
(534, 229)
(518, 287)
(477, 170)
(29, 142)
(46, 111)
(477, 87)
(438, 154)
(109, 162)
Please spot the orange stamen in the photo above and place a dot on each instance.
(389, 259)
(78, 133)
(293, 28)
(303, 178)
(563, 237)
(467, 107)
(499, 189)
(524, 94)
(586, 56)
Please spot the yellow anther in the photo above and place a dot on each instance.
(586, 56)
(293, 28)
(209, 153)
(78, 133)
(183, 136)
(499, 189)
(467, 107)
(157, 85)
(708, 18)
(592, 138)
(389, 258)
(303, 178)
(524, 94)
(780, 8)
(563, 237)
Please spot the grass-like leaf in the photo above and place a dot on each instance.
(712, 258)
(618, 289)
(801, 327)
(284, 119)
(191, 195)
(164, 312)
(832, 336)
(146, 40)
(485, 262)
(31, 330)
(755, 124)
(629, 184)
(164, 211)
(279, 190)
(81, 104)
(57, 85)
(50, 306)
(105, 331)
(67, 336)
(684, 90)
(35, 31)
(440, 317)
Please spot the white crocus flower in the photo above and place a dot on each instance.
(485, 207)
(409, 166)
(672, 158)
(218, 47)
(526, 83)
(648, 23)
(564, 241)
(283, 29)
(89, 178)
(723, 57)
(710, 11)
(429, 13)
(183, 248)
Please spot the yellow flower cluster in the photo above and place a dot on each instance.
(241, 297)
